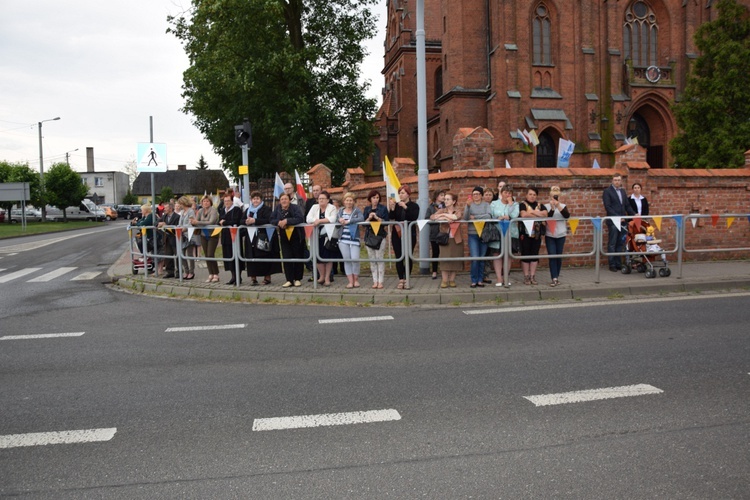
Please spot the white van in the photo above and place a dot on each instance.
(86, 210)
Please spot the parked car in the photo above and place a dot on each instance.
(109, 212)
(128, 211)
(32, 215)
(2, 215)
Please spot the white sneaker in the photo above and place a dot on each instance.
(499, 284)
(287, 284)
(297, 283)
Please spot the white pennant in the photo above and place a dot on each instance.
(421, 223)
(329, 229)
(507, 164)
(190, 233)
(693, 220)
(251, 230)
(529, 226)
(617, 221)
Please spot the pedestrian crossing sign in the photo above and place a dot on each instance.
(152, 157)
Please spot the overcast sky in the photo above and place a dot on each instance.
(103, 68)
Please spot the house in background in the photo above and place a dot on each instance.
(182, 182)
(104, 187)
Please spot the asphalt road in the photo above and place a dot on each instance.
(181, 405)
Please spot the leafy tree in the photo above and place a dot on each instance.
(292, 67)
(21, 172)
(166, 194)
(202, 164)
(64, 188)
(129, 198)
(714, 113)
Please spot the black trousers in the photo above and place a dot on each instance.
(294, 249)
(397, 250)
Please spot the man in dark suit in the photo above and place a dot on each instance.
(616, 204)
(170, 218)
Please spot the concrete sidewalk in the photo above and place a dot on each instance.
(575, 283)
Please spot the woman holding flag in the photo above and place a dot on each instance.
(403, 211)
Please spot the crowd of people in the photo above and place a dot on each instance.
(340, 236)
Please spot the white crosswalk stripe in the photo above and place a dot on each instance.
(49, 276)
(86, 276)
(19, 274)
(52, 275)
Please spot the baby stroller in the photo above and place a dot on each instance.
(640, 240)
(139, 262)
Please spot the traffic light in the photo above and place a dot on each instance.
(243, 134)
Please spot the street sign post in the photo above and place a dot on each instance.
(152, 157)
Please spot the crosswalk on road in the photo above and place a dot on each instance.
(61, 272)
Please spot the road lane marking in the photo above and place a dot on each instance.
(18, 274)
(86, 276)
(602, 303)
(325, 419)
(593, 394)
(25, 247)
(41, 336)
(354, 320)
(207, 327)
(52, 275)
(60, 437)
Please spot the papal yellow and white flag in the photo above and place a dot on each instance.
(392, 184)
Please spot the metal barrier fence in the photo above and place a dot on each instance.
(676, 231)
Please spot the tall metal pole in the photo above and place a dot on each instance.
(153, 206)
(422, 172)
(41, 169)
(245, 177)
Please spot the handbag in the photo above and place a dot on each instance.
(490, 233)
(442, 238)
(262, 244)
(372, 240)
(332, 243)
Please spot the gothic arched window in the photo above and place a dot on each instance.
(542, 40)
(640, 35)
(438, 82)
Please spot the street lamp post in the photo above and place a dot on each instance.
(41, 169)
(67, 155)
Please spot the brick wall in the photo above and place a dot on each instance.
(669, 191)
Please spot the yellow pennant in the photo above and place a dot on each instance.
(729, 221)
(289, 231)
(143, 231)
(375, 225)
(573, 225)
(479, 226)
(657, 221)
(216, 232)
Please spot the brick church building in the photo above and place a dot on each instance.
(592, 72)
